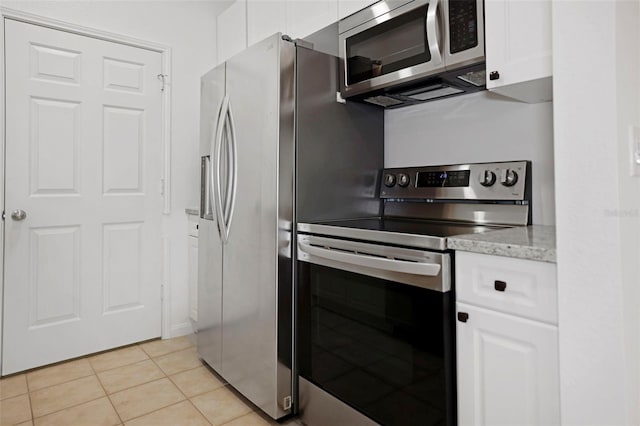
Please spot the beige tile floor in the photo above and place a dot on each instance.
(161, 382)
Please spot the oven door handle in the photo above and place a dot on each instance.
(394, 265)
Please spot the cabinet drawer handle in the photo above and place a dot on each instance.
(499, 285)
(463, 316)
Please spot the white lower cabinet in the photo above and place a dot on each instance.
(192, 257)
(507, 365)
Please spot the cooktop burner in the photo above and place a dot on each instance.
(406, 232)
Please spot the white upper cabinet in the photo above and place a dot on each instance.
(232, 30)
(518, 48)
(348, 7)
(306, 17)
(265, 18)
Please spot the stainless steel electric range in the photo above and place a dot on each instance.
(375, 295)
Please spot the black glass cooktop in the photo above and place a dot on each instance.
(408, 232)
(407, 226)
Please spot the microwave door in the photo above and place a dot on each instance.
(398, 46)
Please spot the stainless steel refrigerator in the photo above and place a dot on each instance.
(260, 110)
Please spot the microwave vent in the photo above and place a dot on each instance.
(477, 78)
(383, 101)
(432, 92)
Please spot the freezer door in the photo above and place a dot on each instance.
(209, 325)
(257, 254)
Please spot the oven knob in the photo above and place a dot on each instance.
(487, 178)
(508, 177)
(389, 180)
(403, 180)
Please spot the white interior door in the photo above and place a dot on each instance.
(83, 160)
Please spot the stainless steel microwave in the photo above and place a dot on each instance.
(393, 49)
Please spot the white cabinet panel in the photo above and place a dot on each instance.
(518, 48)
(192, 258)
(306, 17)
(193, 278)
(348, 7)
(232, 30)
(521, 287)
(507, 370)
(265, 18)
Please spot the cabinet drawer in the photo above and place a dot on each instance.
(193, 226)
(521, 287)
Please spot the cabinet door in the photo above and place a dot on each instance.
(193, 278)
(348, 7)
(518, 48)
(507, 370)
(306, 17)
(232, 30)
(265, 18)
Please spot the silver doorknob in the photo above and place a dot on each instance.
(18, 215)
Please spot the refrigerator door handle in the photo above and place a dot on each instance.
(233, 170)
(216, 171)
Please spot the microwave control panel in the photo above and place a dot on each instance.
(463, 25)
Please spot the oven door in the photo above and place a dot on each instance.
(376, 343)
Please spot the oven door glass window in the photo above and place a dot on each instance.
(390, 46)
(382, 347)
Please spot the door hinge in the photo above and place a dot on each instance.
(286, 402)
(163, 79)
(2, 214)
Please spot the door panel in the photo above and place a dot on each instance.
(507, 370)
(83, 159)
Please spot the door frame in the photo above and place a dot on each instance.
(165, 51)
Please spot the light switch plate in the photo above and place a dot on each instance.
(634, 149)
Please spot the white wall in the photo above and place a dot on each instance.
(481, 127)
(628, 113)
(188, 27)
(598, 219)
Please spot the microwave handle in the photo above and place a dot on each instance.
(433, 32)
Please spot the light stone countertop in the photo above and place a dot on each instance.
(536, 242)
(194, 212)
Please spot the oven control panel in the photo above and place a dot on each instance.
(508, 181)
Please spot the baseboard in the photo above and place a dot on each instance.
(181, 329)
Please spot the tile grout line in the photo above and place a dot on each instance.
(166, 376)
(30, 402)
(95, 373)
(61, 383)
(106, 393)
(66, 408)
